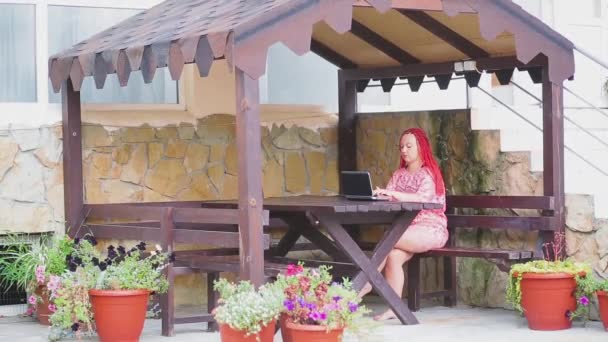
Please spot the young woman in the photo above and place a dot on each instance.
(418, 179)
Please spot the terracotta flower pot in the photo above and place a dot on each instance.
(227, 334)
(547, 300)
(308, 333)
(119, 314)
(42, 307)
(602, 298)
(283, 325)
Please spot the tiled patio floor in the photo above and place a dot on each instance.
(437, 324)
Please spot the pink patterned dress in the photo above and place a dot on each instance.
(432, 222)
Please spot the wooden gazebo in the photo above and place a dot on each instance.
(373, 39)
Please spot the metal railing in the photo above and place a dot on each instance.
(566, 147)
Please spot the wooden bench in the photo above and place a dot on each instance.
(502, 258)
(186, 224)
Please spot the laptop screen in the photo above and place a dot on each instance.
(356, 183)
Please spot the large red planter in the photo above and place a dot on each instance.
(227, 334)
(602, 298)
(42, 307)
(547, 299)
(119, 314)
(309, 333)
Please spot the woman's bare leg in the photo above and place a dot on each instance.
(414, 240)
(395, 276)
(367, 288)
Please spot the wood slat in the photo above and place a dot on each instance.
(219, 239)
(330, 55)
(382, 44)
(122, 212)
(480, 253)
(504, 222)
(514, 202)
(194, 319)
(445, 33)
(215, 216)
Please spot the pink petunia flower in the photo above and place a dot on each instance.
(52, 308)
(32, 300)
(40, 276)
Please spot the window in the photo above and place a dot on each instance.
(17, 53)
(293, 79)
(70, 25)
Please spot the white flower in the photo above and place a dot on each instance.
(159, 248)
(153, 253)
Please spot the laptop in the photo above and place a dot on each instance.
(357, 185)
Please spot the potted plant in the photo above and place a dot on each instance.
(602, 298)
(315, 307)
(551, 292)
(246, 314)
(109, 293)
(36, 267)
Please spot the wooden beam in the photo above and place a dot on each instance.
(445, 33)
(387, 47)
(513, 202)
(167, 300)
(504, 222)
(347, 139)
(423, 69)
(220, 239)
(330, 55)
(72, 158)
(248, 140)
(553, 154)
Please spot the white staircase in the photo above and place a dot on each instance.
(518, 135)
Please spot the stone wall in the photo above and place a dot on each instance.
(472, 163)
(31, 180)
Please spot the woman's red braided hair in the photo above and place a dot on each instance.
(426, 155)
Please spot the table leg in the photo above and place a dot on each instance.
(352, 250)
(385, 245)
(302, 224)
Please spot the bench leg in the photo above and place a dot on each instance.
(450, 281)
(167, 304)
(413, 283)
(212, 299)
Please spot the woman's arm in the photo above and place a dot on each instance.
(424, 193)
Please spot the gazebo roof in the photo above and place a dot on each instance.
(349, 33)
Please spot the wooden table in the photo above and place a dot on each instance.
(305, 214)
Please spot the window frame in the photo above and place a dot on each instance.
(42, 55)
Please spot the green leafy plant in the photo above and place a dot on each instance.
(118, 269)
(312, 298)
(38, 263)
(244, 308)
(601, 285)
(554, 263)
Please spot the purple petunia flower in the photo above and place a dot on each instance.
(310, 306)
(353, 307)
(322, 316)
(289, 305)
(584, 300)
(314, 315)
(337, 298)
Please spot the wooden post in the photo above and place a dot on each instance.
(347, 138)
(72, 158)
(248, 139)
(553, 154)
(167, 302)
(347, 134)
